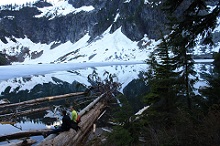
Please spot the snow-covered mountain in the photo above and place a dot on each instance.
(68, 31)
(108, 47)
(82, 31)
(78, 31)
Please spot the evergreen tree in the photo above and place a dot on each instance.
(170, 80)
(126, 129)
(193, 21)
(184, 64)
(188, 21)
(211, 93)
(162, 78)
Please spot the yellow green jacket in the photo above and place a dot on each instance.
(74, 115)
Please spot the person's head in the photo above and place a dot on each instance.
(64, 112)
(71, 108)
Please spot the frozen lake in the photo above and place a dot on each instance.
(13, 71)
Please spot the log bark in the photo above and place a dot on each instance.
(39, 100)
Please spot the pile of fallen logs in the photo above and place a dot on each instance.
(88, 116)
(10, 111)
(14, 109)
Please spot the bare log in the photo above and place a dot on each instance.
(73, 138)
(88, 116)
(26, 112)
(90, 120)
(23, 134)
(25, 142)
(88, 107)
(39, 100)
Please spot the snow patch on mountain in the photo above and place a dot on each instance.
(20, 2)
(107, 47)
(110, 47)
(147, 2)
(61, 8)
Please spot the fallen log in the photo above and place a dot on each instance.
(73, 138)
(23, 134)
(7, 122)
(81, 113)
(87, 125)
(26, 112)
(39, 100)
(88, 107)
(89, 115)
(26, 142)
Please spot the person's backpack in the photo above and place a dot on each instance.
(78, 118)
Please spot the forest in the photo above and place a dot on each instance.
(176, 115)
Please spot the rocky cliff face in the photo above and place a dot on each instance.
(136, 18)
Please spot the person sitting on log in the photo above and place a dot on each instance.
(75, 119)
(65, 126)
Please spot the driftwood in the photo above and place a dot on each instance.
(88, 117)
(23, 134)
(26, 112)
(39, 100)
(70, 138)
(26, 142)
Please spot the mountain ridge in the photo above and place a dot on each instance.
(50, 26)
